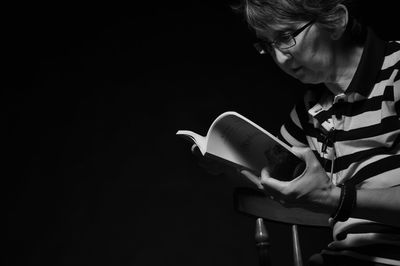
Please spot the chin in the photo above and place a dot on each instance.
(308, 80)
(303, 79)
(311, 81)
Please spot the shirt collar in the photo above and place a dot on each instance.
(369, 67)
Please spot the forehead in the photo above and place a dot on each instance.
(276, 29)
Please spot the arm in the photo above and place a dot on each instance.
(381, 205)
(313, 190)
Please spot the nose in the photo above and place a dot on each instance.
(281, 57)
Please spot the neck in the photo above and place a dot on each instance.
(344, 67)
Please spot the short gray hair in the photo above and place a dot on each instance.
(264, 14)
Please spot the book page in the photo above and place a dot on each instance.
(199, 140)
(242, 142)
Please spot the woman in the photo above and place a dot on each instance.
(346, 127)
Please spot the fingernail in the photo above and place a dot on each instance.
(330, 222)
(242, 171)
(331, 246)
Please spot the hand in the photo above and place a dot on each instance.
(311, 190)
(353, 240)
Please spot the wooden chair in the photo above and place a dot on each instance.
(262, 244)
(254, 203)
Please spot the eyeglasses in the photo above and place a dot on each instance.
(283, 42)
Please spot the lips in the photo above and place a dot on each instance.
(295, 69)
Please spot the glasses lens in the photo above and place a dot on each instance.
(285, 42)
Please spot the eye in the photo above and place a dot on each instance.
(284, 38)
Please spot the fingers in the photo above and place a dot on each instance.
(331, 222)
(195, 151)
(271, 186)
(253, 178)
(352, 240)
(277, 190)
(194, 146)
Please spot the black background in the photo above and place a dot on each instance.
(92, 97)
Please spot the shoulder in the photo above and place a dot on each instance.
(390, 71)
(392, 55)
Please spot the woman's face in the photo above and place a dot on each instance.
(311, 59)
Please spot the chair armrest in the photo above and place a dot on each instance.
(254, 203)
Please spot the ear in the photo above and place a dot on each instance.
(342, 18)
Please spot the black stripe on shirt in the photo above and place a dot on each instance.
(397, 77)
(326, 164)
(376, 168)
(387, 73)
(280, 137)
(324, 115)
(295, 131)
(388, 124)
(391, 48)
(368, 105)
(356, 108)
(345, 161)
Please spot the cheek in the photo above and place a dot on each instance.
(313, 59)
(316, 54)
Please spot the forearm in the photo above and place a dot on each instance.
(380, 205)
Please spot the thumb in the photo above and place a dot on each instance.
(303, 153)
(352, 240)
(338, 244)
(269, 183)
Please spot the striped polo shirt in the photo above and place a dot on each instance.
(356, 135)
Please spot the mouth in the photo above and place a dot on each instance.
(296, 69)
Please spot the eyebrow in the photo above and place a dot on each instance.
(277, 32)
(283, 32)
(287, 29)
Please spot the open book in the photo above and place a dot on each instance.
(237, 141)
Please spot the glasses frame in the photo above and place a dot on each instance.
(263, 46)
